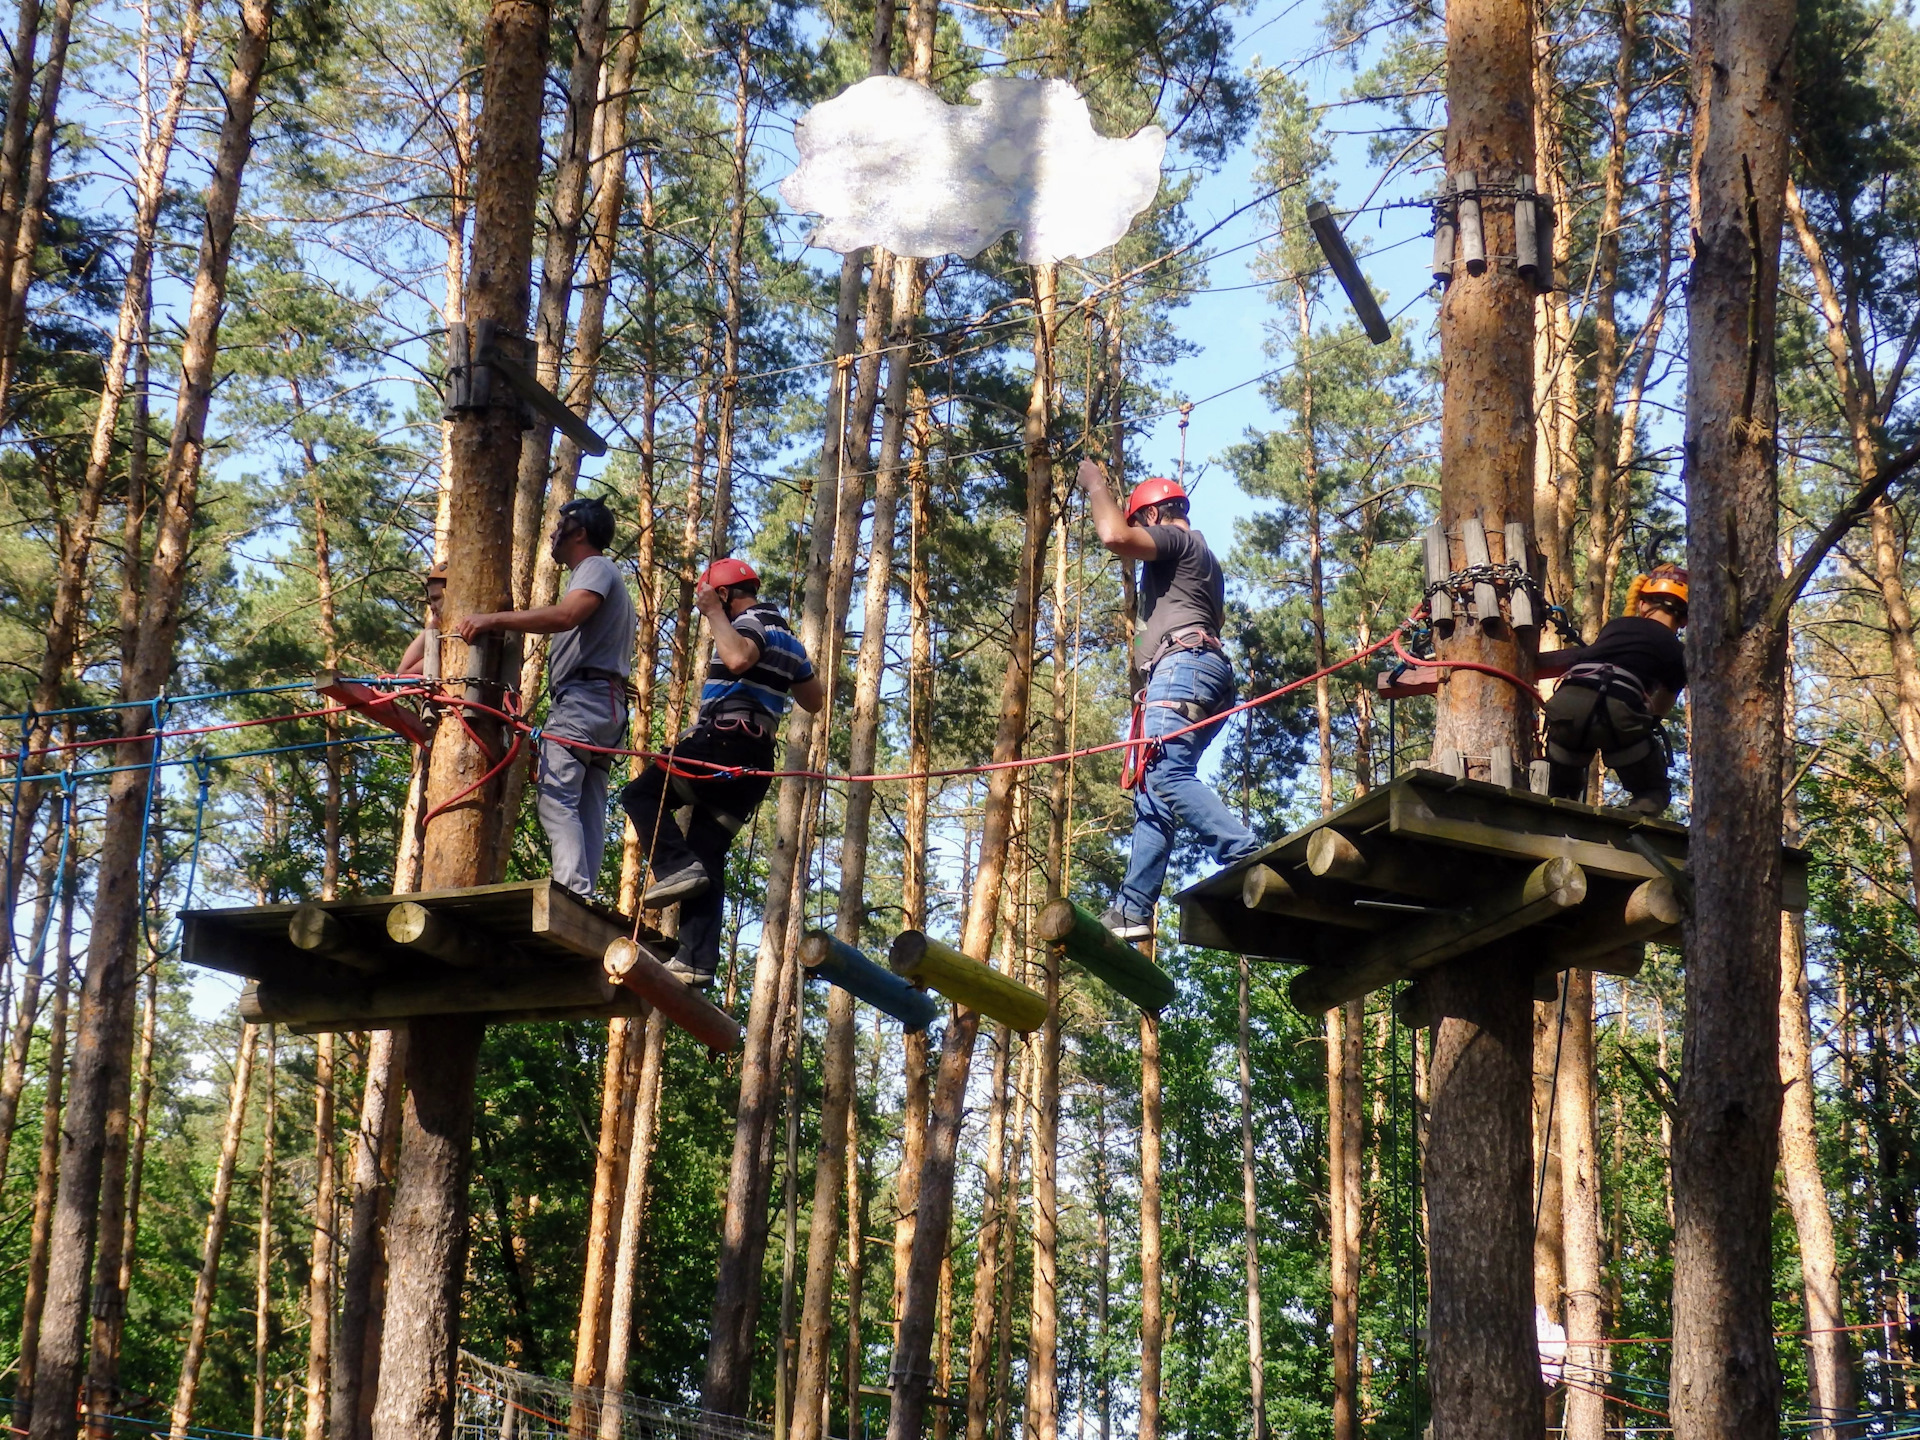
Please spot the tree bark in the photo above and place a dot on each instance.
(603, 1219)
(263, 1240)
(1726, 1377)
(320, 1266)
(934, 1201)
(1153, 1317)
(25, 245)
(1485, 1372)
(427, 1239)
(633, 1214)
(743, 1228)
(102, 1051)
(356, 1366)
(110, 1328)
(1344, 1134)
(33, 1307)
(1249, 1221)
(202, 1311)
(1588, 1362)
(986, 1265)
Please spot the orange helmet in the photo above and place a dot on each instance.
(1154, 490)
(1666, 582)
(438, 572)
(723, 573)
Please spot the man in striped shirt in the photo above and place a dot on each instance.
(758, 666)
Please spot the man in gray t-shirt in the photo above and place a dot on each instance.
(587, 668)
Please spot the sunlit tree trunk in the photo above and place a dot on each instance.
(1585, 1275)
(263, 1239)
(188, 1389)
(356, 1363)
(320, 1263)
(25, 240)
(33, 1307)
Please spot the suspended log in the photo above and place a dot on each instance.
(634, 967)
(938, 966)
(1106, 957)
(1553, 887)
(838, 963)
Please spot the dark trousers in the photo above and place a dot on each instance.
(718, 810)
(1580, 721)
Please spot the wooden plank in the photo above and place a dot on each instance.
(441, 993)
(1486, 599)
(1439, 565)
(213, 946)
(567, 920)
(1549, 889)
(1226, 925)
(1520, 601)
(1469, 822)
(623, 1004)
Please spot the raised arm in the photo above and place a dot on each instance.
(1109, 521)
(735, 650)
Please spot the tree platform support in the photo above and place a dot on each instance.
(1429, 868)
(524, 951)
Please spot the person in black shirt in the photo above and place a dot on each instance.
(758, 667)
(1613, 694)
(1189, 679)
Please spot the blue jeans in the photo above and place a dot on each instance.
(1172, 795)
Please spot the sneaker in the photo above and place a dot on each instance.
(689, 880)
(1123, 927)
(690, 977)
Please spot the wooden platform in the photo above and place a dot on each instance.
(1430, 867)
(524, 951)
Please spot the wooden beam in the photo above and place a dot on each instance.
(1105, 956)
(1549, 889)
(566, 919)
(1380, 864)
(623, 1004)
(938, 966)
(838, 963)
(637, 969)
(318, 933)
(1520, 825)
(426, 933)
(269, 1002)
(1265, 890)
(1652, 912)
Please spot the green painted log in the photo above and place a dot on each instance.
(938, 966)
(1105, 956)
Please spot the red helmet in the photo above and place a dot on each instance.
(722, 573)
(1152, 491)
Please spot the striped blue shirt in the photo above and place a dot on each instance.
(768, 685)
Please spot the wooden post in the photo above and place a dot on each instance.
(1485, 1374)
(462, 842)
(1152, 1313)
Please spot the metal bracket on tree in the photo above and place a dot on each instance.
(472, 362)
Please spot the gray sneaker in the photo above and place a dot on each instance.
(690, 977)
(1125, 928)
(688, 881)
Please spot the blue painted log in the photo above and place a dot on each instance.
(838, 963)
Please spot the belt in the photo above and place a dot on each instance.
(1608, 680)
(1194, 637)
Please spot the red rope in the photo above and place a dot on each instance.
(1507, 675)
(214, 729)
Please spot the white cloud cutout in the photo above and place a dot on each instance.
(890, 163)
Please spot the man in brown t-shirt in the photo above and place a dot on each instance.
(1189, 679)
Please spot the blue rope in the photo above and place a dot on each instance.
(368, 738)
(160, 706)
(203, 769)
(200, 696)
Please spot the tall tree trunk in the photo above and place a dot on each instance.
(1726, 1375)
(1588, 1361)
(565, 214)
(356, 1363)
(743, 1229)
(934, 1201)
(202, 1310)
(111, 1327)
(1549, 1237)
(633, 1214)
(1153, 1316)
(33, 1307)
(1485, 1372)
(102, 1050)
(13, 1078)
(13, 147)
(320, 1266)
(603, 1220)
(427, 1235)
(25, 241)
(1345, 1051)
(63, 626)
(1250, 1222)
(735, 311)
(986, 1265)
(263, 1239)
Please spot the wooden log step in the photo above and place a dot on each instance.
(1549, 889)
(421, 930)
(324, 936)
(635, 968)
(938, 966)
(838, 963)
(403, 996)
(1105, 956)
(1266, 890)
(1652, 912)
(1380, 864)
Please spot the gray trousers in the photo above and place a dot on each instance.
(572, 785)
